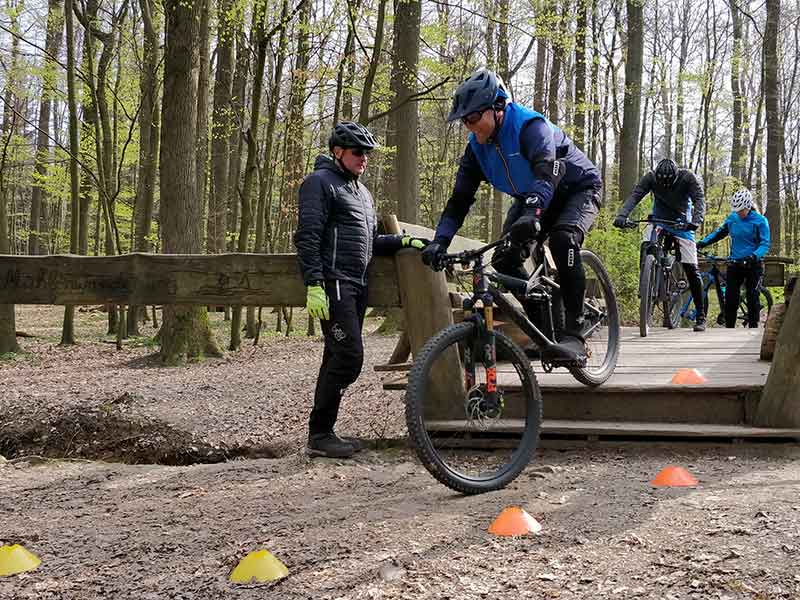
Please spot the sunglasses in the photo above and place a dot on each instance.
(473, 117)
(359, 152)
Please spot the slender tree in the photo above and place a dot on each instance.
(185, 332)
(629, 141)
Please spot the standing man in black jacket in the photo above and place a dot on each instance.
(337, 234)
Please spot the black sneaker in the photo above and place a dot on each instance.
(356, 443)
(329, 446)
(700, 324)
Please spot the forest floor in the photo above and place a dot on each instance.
(377, 526)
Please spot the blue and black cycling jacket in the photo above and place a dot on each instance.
(749, 236)
(528, 156)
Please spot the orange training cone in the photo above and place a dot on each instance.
(688, 376)
(514, 521)
(672, 476)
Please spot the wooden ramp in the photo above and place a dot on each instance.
(639, 400)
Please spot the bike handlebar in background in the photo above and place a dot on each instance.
(678, 225)
(724, 259)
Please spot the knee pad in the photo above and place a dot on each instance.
(565, 244)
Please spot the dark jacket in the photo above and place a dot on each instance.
(683, 201)
(527, 156)
(337, 228)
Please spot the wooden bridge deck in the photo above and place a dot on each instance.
(640, 400)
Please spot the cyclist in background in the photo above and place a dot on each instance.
(677, 196)
(556, 190)
(749, 232)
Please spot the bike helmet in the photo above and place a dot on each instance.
(481, 90)
(666, 172)
(741, 200)
(347, 134)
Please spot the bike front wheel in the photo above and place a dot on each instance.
(648, 293)
(601, 323)
(466, 445)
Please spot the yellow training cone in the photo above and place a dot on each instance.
(260, 566)
(15, 559)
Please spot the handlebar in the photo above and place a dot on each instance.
(466, 256)
(724, 259)
(678, 225)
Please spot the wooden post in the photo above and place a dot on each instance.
(427, 310)
(780, 404)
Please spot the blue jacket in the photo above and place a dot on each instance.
(528, 156)
(749, 236)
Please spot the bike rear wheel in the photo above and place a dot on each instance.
(648, 293)
(602, 327)
(676, 291)
(455, 441)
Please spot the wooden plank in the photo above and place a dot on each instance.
(623, 428)
(246, 279)
(393, 367)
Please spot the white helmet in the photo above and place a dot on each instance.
(741, 200)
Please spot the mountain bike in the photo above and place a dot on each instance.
(458, 395)
(662, 282)
(714, 276)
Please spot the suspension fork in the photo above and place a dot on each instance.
(484, 340)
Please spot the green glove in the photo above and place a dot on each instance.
(413, 242)
(317, 302)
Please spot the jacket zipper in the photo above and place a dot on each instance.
(335, 244)
(369, 235)
(505, 164)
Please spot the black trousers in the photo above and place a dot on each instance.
(738, 274)
(343, 355)
(567, 222)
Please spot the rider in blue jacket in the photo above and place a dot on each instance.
(749, 232)
(556, 190)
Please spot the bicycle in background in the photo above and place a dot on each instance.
(662, 283)
(716, 278)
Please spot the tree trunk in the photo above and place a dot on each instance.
(555, 69)
(541, 54)
(578, 135)
(236, 139)
(68, 328)
(8, 328)
(221, 131)
(204, 74)
(55, 33)
(680, 102)
(774, 141)
(264, 197)
(737, 148)
(369, 80)
(252, 155)
(407, 22)
(148, 145)
(185, 332)
(629, 140)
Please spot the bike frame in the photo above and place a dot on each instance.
(489, 296)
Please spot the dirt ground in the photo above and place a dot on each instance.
(378, 526)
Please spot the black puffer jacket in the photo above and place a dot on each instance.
(337, 229)
(670, 203)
